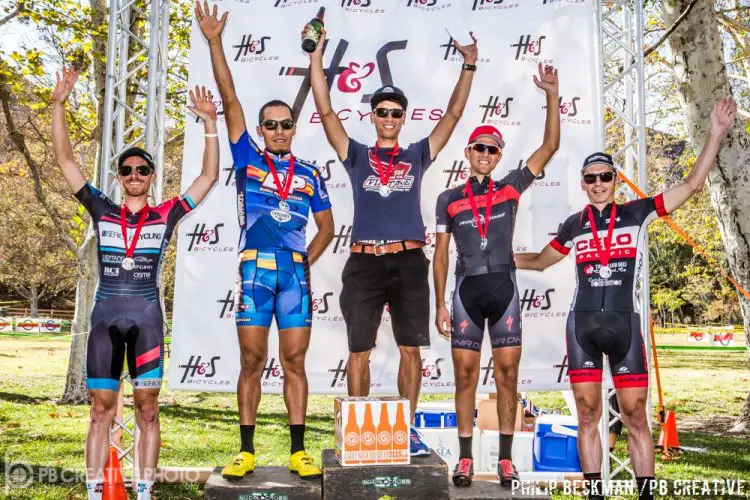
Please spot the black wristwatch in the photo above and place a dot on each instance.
(469, 67)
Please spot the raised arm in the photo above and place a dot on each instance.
(440, 276)
(60, 137)
(444, 128)
(548, 82)
(718, 124)
(324, 236)
(204, 107)
(334, 129)
(538, 261)
(211, 27)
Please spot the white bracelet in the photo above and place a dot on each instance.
(212, 135)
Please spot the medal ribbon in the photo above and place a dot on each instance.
(603, 255)
(483, 230)
(138, 227)
(385, 176)
(283, 191)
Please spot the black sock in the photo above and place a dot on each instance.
(297, 432)
(465, 444)
(246, 436)
(644, 487)
(506, 445)
(593, 482)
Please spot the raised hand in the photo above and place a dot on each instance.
(722, 116)
(203, 104)
(547, 80)
(64, 84)
(469, 52)
(210, 23)
(318, 52)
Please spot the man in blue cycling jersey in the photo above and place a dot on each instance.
(126, 319)
(275, 191)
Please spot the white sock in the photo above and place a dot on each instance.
(143, 489)
(94, 488)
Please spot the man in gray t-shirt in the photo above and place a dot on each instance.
(386, 264)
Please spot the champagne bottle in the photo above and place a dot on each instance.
(312, 32)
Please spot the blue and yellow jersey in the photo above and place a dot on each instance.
(257, 197)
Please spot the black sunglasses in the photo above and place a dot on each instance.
(604, 177)
(287, 124)
(383, 112)
(126, 170)
(481, 148)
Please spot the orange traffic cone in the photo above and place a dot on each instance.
(114, 486)
(669, 442)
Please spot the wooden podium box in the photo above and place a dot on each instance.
(267, 483)
(426, 477)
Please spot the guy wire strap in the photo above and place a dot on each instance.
(684, 236)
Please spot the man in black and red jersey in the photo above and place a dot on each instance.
(126, 319)
(486, 288)
(603, 317)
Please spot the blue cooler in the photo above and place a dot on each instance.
(438, 414)
(556, 444)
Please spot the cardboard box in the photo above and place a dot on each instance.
(487, 416)
(371, 430)
(522, 453)
(445, 443)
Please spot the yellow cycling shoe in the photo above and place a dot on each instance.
(303, 464)
(244, 463)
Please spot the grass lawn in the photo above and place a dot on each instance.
(707, 388)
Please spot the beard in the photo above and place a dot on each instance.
(135, 189)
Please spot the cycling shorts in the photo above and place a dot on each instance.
(273, 283)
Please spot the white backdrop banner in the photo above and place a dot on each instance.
(406, 43)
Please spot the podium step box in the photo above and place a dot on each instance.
(426, 477)
(265, 483)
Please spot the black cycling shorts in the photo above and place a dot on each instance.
(120, 327)
(372, 281)
(491, 297)
(591, 334)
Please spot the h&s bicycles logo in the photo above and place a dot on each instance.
(293, 3)
(325, 173)
(252, 49)
(456, 174)
(273, 374)
(200, 371)
(321, 307)
(205, 238)
(570, 111)
(562, 374)
(538, 304)
(342, 239)
(498, 111)
(338, 375)
(450, 53)
(361, 7)
(530, 49)
(429, 5)
(494, 5)
(353, 77)
(227, 305)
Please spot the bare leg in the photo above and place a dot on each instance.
(588, 397)
(632, 402)
(466, 369)
(253, 353)
(358, 373)
(146, 402)
(506, 362)
(410, 376)
(103, 408)
(293, 344)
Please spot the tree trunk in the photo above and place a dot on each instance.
(75, 383)
(701, 79)
(34, 301)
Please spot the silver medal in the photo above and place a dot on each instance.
(281, 216)
(283, 206)
(128, 263)
(483, 244)
(605, 271)
(384, 190)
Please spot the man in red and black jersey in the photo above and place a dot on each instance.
(481, 215)
(126, 320)
(603, 317)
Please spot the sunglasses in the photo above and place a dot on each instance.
(604, 177)
(481, 148)
(287, 124)
(126, 170)
(383, 112)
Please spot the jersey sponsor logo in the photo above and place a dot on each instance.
(623, 245)
(588, 364)
(111, 271)
(400, 179)
(142, 276)
(299, 184)
(473, 221)
(111, 235)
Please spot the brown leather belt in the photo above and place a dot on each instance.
(398, 246)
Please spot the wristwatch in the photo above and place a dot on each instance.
(469, 67)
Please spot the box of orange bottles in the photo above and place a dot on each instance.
(372, 430)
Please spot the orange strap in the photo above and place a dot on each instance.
(687, 238)
(656, 366)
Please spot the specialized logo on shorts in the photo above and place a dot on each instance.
(494, 5)
(464, 324)
(588, 364)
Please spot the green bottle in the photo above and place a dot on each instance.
(312, 32)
